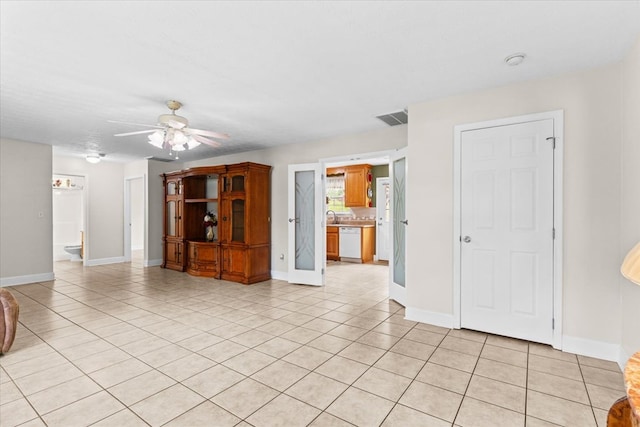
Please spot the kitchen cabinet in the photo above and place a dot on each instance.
(239, 196)
(368, 243)
(357, 185)
(333, 243)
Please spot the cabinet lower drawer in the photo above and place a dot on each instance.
(203, 259)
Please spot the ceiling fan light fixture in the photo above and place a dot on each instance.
(93, 158)
(157, 138)
(192, 143)
(173, 132)
(179, 138)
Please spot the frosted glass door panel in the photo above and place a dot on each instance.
(304, 218)
(398, 167)
(305, 229)
(399, 228)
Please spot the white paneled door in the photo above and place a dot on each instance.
(306, 227)
(506, 207)
(383, 217)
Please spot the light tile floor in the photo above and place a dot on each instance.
(121, 345)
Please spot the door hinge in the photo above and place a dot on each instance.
(553, 324)
(553, 233)
(553, 141)
(322, 271)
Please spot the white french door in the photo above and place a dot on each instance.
(306, 233)
(399, 223)
(507, 230)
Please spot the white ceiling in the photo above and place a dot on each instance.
(271, 73)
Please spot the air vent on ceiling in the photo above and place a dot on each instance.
(394, 119)
(160, 159)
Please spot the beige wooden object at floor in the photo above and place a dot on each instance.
(8, 320)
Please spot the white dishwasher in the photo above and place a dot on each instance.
(350, 243)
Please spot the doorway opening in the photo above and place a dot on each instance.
(69, 217)
(344, 222)
(134, 220)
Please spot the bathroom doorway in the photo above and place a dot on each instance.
(68, 214)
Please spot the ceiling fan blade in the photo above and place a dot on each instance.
(135, 133)
(203, 140)
(135, 124)
(208, 133)
(176, 124)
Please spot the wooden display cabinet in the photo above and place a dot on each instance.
(240, 198)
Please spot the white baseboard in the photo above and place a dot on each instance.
(25, 280)
(623, 358)
(591, 348)
(103, 261)
(280, 275)
(430, 317)
(153, 263)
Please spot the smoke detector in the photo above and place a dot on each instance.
(515, 59)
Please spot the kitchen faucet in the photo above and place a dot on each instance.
(334, 215)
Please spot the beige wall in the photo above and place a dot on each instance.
(26, 227)
(592, 111)
(630, 217)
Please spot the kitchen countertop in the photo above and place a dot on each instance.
(351, 225)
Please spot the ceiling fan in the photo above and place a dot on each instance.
(173, 132)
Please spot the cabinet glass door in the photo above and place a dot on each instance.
(233, 183)
(171, 218)
(237, 220)
(173, 188)
(237, 183)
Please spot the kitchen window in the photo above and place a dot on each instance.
(335, 194)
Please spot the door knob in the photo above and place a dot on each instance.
(405, 222)
(297, 220)
(466, 239)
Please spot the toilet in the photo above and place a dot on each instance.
(74, 251)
